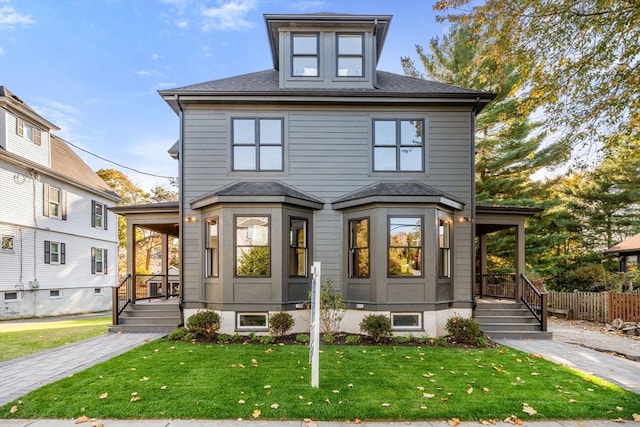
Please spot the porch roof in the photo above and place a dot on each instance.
(492, 218)
(628, 246)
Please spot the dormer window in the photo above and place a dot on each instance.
(350, 51)
(305, 56)
(28, 131)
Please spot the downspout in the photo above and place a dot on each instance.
(180, 201)
(474, 112)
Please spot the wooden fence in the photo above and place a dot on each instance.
(596, 306)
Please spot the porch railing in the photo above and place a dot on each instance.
(152, 286)
(497, 285)
(120, 298)
(535, 300)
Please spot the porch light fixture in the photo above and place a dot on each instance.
(190, 218)
(465, 219)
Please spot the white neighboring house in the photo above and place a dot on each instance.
(59, 240)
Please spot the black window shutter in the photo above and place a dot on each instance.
(63, 203)
(62, 253)
(104, 261)
(105, 214)
(45, 199)
(93, 260)
(93, 213)
(47, 252)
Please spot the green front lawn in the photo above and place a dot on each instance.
(166, 379)
(20, 339)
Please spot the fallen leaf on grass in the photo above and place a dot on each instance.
(274, 406)
(82, 419)
(134, 397)
(636, 418)
(242, 402)
(256, 413)
(470, 390)
(385, 405)
(164, 387)
(267, 386)
(144, 379)
(104, 395)
(619, 408)
(420, 388)
(13, 409)
(528, 409)
(428, 395)
(485, 389)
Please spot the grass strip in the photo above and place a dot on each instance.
(179, 380)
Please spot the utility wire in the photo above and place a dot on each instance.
(172, 178)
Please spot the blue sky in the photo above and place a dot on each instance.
(93, 67)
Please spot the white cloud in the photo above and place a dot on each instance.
(10, 18)
(1, 51)
(143, 73)
(308, 5)
(230, 15)
(155, 56)
(182, 24)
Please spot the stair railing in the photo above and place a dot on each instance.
(535, 300)
(120, 298)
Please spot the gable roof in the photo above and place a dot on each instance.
(19, 106)
(396, 192)
(632, 244)
(258, 192)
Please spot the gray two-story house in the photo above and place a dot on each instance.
(325, 158)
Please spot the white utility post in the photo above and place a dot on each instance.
(314, 342)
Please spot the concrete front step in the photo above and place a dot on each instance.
(141, 329)
(509, 327)
(508, 320)
(162, 317)
(502, 312)
(537, 335)
(159, 321)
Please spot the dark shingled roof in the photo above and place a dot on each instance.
(632, 244)
(266, 82)
(395, 189)
(259, 189)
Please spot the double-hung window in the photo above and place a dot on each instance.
(398, 145)
(28, 131)
(55, 202)
(253, 252)
(359, 248)
(211, 245)
(405, 246)
(98, 261)
(98, 215)
(297, 247)
(305, 55)
(54, 252)
(350, 52)
(444, 248)
(257, 144)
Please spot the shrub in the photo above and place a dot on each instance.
(400, 339)
(463, 330)
(223, 338)
(280, 323)
(302, 338)
(204, 323)
(332, 308)
(352, 339)
(266, 339)
(328, 338)
(177, 334)
(377, 326)
(237, 338)
(439, 341)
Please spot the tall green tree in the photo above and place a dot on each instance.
(578, 59)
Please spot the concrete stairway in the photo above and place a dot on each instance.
(148, 317)
(508, 319)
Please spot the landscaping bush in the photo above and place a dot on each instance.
(224, 338)
(204, 323)
(280, 323)
(177, 334)
(302, 338)
(266, 339)
(377, 326)
(463, 330)
(328, 338)
(352, 339)
(332, 308)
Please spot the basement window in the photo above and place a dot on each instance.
(406, 320)
(253, 321)
(11, 296)
(55, 293)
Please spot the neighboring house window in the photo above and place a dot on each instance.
(54, 252)
(55, 202)
(405, 246)
(7, 243)
(28, 131)
(98, 215)
(297, 247)
(211, 247)
(98, 261)
(444, 246)
(55, 293)
(406, 320)
(11, 296)
(398, 145)
(253, 321)
(305, 57)
(350, 49)
(359, 247)
(257, 144)
(253, 254)
(97, 291)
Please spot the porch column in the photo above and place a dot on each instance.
(520, 265)
(164, 264)
(131, 260)
(483, 263)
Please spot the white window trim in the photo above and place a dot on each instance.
(34, 132)
(252, 328)
(18, 299)
(59, 296)
(407, 328)
(98, 292)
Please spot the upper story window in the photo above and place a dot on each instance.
(359, 248)
(305, 58)
(405, 246)
(257, 144)
(350, 55)
(444, 248)
(98, 215)
(297, 247)
(398, 145)
(253, 251)
(211, 247)
(98, 261)
(54, 202)
(28, 131)
(7, 243)
(54, 252)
